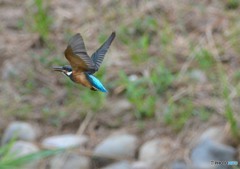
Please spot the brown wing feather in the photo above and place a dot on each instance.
(77, 56)
(76, 63)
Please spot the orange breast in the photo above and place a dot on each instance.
(81, 78)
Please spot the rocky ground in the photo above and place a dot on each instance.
(122, 150)
(184, 54)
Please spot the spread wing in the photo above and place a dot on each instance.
(98, 56)
(77, 56)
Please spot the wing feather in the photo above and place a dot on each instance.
(98, 56)
(77, 56)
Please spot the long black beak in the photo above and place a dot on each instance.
(58, 68)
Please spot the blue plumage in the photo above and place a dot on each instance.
(96, 83)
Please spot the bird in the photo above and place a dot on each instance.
(82, 66)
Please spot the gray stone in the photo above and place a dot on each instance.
(155, 151)
(70, 161)
(133, 77)
(119, 165)
(20, 131)
(198, 76)
(207, 150)
(213, 133)
(140, 165)
(64, 141)
(179, 165)
(23, 148)
(117, 147)
(221, 134)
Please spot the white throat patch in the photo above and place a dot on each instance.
(69, 73)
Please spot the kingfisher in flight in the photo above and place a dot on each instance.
(82, 66)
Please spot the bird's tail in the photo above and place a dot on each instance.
(96, 83)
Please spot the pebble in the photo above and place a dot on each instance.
(19, 131)
(213, 133)
(155, 151)
(23, 148)
(179, 165)
(208, 150)
(119, 165)
(198, 76)
(117, 147)
(64, 141)
(70, 161)
(140, 165)
(221, 134)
